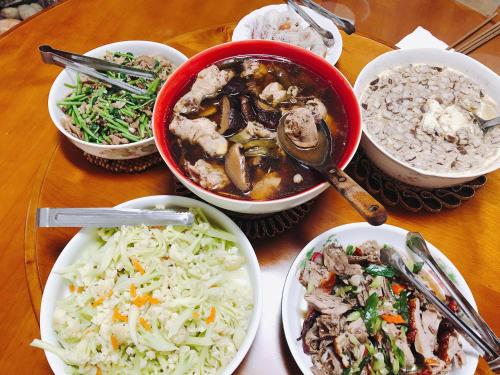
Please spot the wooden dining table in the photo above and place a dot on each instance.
(40, 168)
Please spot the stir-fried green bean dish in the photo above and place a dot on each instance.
(99, 113)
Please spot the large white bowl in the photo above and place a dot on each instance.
(486, 78)
(56, 288)
(58, 91)
(244, 28)
(294, 307)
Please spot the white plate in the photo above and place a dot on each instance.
(294, 307)
(56, 288)
(243, 30)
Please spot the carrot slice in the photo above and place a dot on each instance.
(72, 288)
(397, 288)
(142, 300)
(133, 291)
(98, 371)
(114, 342)
(119, 317)
(211, 318)
(137, 266)
(396, 319)
(145, 324)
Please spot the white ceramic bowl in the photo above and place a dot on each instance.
(244, 28)
(400, 170)
(56, 288)
(58, 91)
(294, 307)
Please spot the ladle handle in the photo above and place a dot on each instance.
(368, 207)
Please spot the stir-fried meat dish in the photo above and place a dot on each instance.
(224, 126)
(362, 319)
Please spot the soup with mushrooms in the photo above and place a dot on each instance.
(224, 126)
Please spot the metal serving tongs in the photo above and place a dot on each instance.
(390, 256)
(342, 23)
(91, 66)
(110, 217)
(416, 243)
(326, 35)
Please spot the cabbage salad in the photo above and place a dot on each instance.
(174, 300)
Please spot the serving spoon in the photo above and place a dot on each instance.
(485, 125)
(320, 159)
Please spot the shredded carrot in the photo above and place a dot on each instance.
(80, 289)
(153, 301)
(101, 299)
(196, 315)
(119, 317)
(397, 288)
(142, 300)
(72, 288)
(211, 317)
(133, 291)
(396, 319)
(137, 266)
(145, 324)
(98, 371)
(114, 342)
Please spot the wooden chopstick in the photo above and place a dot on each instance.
(484, 39)
(474, 40)
(473, 31)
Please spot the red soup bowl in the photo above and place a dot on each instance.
(183, 77)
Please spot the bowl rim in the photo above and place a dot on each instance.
(321, 239)
(50, 291)
(179, 174)
(250, 17)
(494, 165)
(61, 79)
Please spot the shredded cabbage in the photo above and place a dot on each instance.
(173, 300)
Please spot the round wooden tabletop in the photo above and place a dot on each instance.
(40, 169)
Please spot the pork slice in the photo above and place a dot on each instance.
(200, 131)
(327, 303)
(430, 322)
(421, 326)
(344, 348)
(311, 340)
(274, 93)
(250, 67)
(210, 176)
(327, 362)
(401, 342)
(330, 326)
(208, 82)
(336, 261)
(309, 321)
(358, 329)
(300, 127)
(370, 253)
(449, 347)
(317, 108)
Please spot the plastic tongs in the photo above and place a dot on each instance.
(91, 66)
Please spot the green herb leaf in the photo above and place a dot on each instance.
(350, 250)
(380, 270)
(401, 305)
(417, 267)
(370, 313)
(362, 365)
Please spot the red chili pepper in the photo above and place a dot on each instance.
(329, 283)
(315, 256)
(358, 252)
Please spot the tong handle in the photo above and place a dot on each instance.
(48, 53)
(343, 23)
(109, 217)
(416, 243)
(468, 333)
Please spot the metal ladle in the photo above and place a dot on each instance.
(320, 159)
